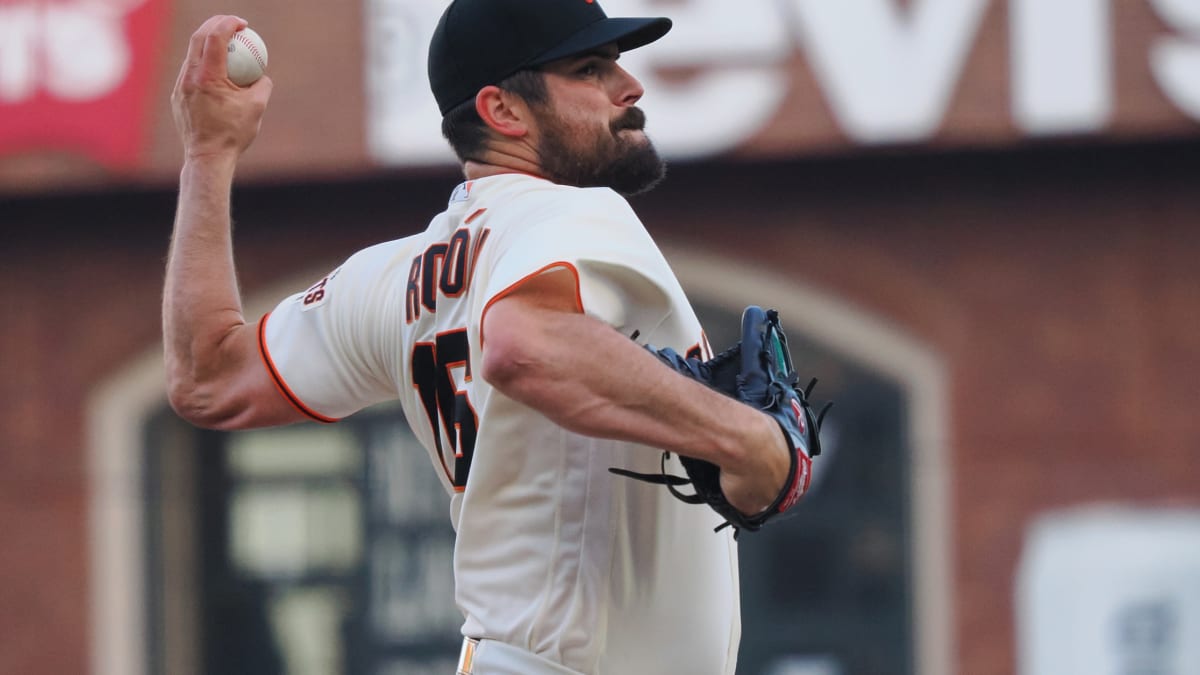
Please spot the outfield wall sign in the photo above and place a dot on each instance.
(84, 83)
(797, 76)
(1110, 590)
(78, 76)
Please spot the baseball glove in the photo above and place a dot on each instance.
(758, 372)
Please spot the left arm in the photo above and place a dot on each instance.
(588, 378)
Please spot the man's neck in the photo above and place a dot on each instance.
(504, 157)
(474, 170)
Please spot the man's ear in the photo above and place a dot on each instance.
(503, 111)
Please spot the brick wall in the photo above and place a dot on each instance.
(1057, 284)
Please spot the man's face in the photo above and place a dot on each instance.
(589, 132)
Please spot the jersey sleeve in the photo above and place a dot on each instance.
(622, 278)
(327, 347)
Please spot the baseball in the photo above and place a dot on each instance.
(247, 57)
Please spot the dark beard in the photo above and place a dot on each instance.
(612, 161)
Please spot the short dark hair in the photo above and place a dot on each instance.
(467, 132)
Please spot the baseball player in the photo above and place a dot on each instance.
(512, 332)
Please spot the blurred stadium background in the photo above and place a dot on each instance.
(978, 217)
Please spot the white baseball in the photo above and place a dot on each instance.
(247, 57)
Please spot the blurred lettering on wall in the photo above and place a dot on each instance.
(779, 78)
(78, 77)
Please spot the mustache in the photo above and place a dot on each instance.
(633, 119)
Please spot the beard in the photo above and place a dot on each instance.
(574, 156)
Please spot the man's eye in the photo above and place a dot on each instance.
(589, 70)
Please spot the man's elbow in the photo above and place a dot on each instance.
(199, 406)
(515, 366)
(217, 385)
(503, 363)
(191, 406)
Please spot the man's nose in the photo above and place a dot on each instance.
(630, 91)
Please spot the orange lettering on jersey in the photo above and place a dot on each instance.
(483, 235)
(412, 309)
(431, 268)
(454, 272)
(446, 268)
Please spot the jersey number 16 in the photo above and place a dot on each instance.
(432, 366)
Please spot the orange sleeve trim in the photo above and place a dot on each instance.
(522, 281)
(278, 379)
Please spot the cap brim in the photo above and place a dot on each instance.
(626, 33)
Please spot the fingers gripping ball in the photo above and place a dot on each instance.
(247, 57)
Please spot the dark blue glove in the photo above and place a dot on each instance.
(758, 372)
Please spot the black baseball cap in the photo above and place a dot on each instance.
(481, 42)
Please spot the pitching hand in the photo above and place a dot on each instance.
(213, 115)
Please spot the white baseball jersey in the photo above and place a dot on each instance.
(554, 554)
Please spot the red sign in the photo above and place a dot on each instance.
(78, 76)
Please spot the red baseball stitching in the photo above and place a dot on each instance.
(249, 44)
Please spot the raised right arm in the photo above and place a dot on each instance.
(215, 377)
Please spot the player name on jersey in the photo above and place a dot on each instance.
(444, 266)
